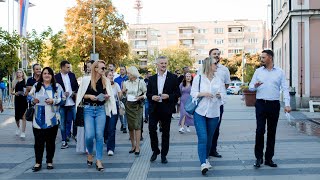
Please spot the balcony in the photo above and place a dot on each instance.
(140, 48)
(235, 34)
(188, 46)
(186, 35)
(140, 36)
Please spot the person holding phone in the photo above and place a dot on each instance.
(96, 109)
(20, 101)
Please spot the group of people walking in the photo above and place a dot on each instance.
(101, 92)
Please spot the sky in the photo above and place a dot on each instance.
(51, 12)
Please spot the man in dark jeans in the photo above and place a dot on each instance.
(163, 93)
(70, 86)
(224, 74)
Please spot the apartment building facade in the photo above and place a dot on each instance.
(295, 41)
(231, 37)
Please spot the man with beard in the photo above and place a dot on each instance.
(268, 80)
(224, 74)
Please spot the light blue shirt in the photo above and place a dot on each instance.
(273, 82)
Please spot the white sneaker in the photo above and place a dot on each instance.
(208, 164)
(110, 153)
(23, 135)
(18, 132)
(181, 130)
(204, 168)
(188, 129)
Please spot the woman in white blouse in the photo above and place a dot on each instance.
(206, 116)
(135, 90)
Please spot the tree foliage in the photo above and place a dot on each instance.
(178, 58)
(234, 65)
(109, 27)
(9, 46)
(36, 45)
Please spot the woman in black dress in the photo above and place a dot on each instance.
(20, 101)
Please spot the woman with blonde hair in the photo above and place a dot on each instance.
(96, 93)
(209, 88)
(20, 101)
(135, 90)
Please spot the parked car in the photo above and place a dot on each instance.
(234, 87)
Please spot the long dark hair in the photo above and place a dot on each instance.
(184, 82)
(53, 81)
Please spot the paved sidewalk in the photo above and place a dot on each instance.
(297, 152)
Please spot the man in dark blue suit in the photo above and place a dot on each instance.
(70, 86)
(163, 93)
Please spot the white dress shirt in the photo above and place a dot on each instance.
(273, 81)
(67, 86)
(224, 74)
(161, 81)
(208, 107)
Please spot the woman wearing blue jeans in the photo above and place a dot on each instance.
(209, 88)
(111, 122)
(96, 93)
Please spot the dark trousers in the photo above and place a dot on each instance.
(266, 112)
(165, 120)
(216, 133)
(45, 137)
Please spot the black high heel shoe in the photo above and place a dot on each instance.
(137, 153)
(99, 168)
(89, 163)
(132, 151)
(35, 168)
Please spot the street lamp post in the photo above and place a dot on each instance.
(94, 56)
(267, 26)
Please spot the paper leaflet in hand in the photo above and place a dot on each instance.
(131, 98)
(101, 97)
(288, 116)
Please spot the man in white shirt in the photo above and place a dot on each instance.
(224, 74)
(268, 81)
(70, 86)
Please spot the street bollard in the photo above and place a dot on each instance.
(293, 99)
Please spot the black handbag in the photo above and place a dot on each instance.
(30, 113)
(79, 121)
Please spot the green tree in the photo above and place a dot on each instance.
(178, 58)
(36, 45)
(55, 51)
(109, 28)
(9, 46)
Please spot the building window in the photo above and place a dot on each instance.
(218, 30)
(234, 51)
(218, 41)
(186, 31)
(253, 29)
(141, 32)
(171, 42)
(253, 40)
(140, 44)
(154, 32)
(203, 41)
(187, 42)
(235, 40)
(202, 52)
(235, 29)
(143, 63)
(154, 43)
(202, 31)
(172, 32)
(252, 51)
